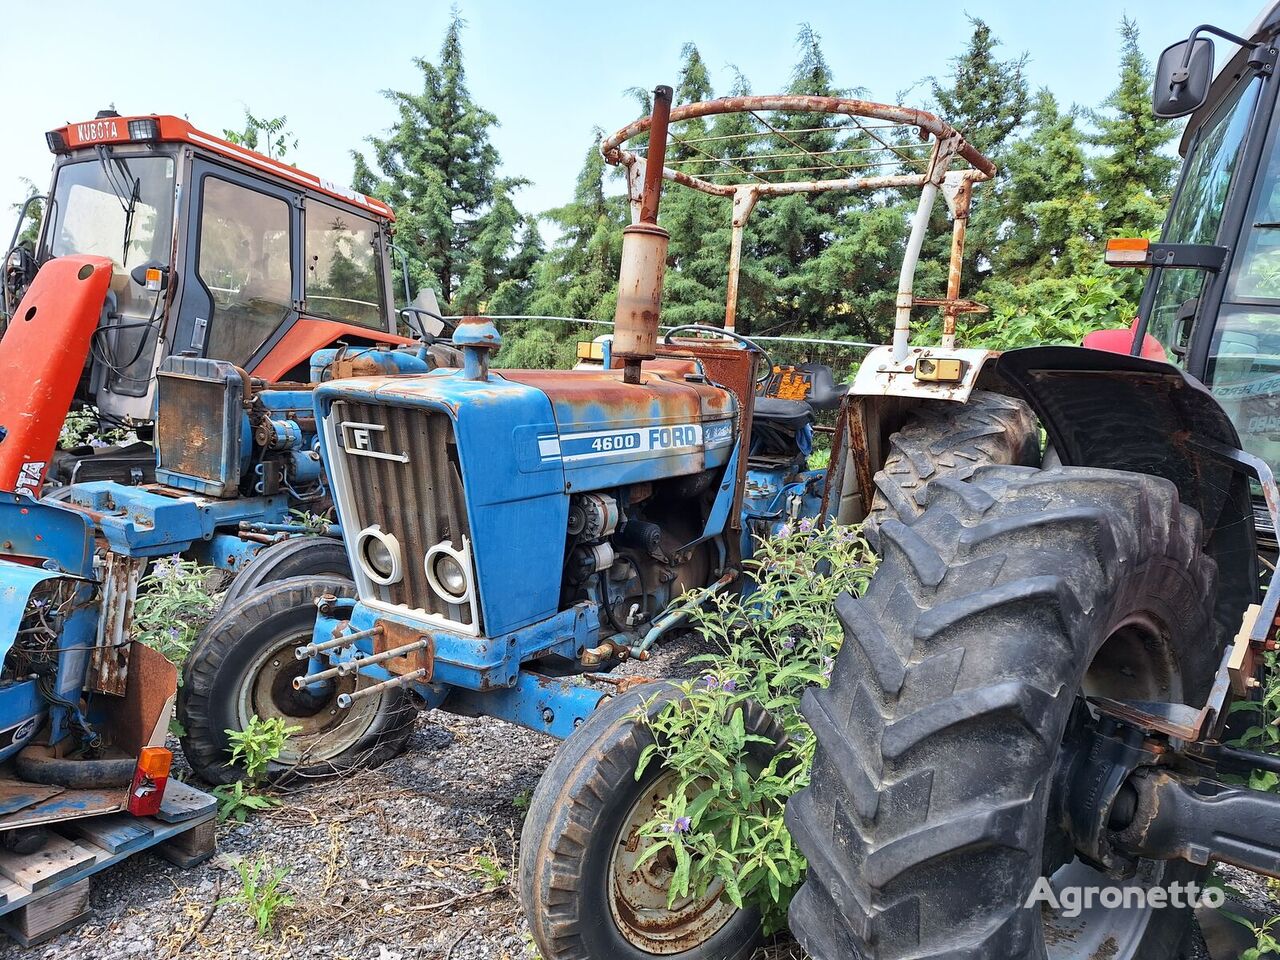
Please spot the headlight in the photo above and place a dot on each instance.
(450, 575)
(379, 555)
(447, 572)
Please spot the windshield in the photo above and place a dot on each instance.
(120, 206)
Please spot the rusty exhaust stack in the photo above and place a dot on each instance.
(644, 257)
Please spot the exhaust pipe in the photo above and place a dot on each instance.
(644, 256)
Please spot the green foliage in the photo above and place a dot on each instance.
(1268, 941)
(723, 821)
(1048, 311)
(491, 873)
(313, 524)
(173, 604)
(262, 894)
(1263, 732)
(269, 135)
(259, 744)
(236, 801)
(438, 169)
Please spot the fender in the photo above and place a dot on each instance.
(1122, 412)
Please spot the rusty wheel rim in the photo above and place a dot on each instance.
(327, 731)
(638, 894)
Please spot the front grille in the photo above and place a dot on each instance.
(420, 501)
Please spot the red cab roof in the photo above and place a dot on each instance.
(163, 128)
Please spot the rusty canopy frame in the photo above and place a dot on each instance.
(945, 147)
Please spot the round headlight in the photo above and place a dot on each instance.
(379, 555)
(450, 575)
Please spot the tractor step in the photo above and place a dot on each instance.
(45, 893)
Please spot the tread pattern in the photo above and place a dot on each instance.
(946, 439)
(204, 700)
(568, 816)
(924, 823)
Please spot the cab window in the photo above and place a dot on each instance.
(343, 280)
(244, 262)
(1197, 213)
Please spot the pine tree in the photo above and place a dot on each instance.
(1133, 171)
(698, 254)
(985, 98)
(1044, 200)
(578, 275)
(438, 170)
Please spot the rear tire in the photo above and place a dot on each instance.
(243, 664)
(577, 828)
(927, 821)
(942, 438)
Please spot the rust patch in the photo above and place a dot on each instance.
(393, 635)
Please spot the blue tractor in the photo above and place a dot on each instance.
(512, 530)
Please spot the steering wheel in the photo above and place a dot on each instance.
(417, 313)
(749, 344)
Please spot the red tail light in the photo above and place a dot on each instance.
(149, 779)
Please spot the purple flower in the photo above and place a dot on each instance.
(712, 681)
(729, 686)
(174, 633)
(678, 825)
(805, 525)
(789, 643)
(784, 530)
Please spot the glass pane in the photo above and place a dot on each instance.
(119, 206)
(245, 263)
(1198, 208)
(343, 280)
(1245, 376)
(1256, 273)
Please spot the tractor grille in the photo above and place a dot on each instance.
(420, 501)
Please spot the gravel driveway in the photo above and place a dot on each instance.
(413, 860)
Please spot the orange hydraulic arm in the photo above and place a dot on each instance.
(42, 356)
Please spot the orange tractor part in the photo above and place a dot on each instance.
(41, 359)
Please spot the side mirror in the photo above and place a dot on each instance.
(151, 275)
(1183, 75)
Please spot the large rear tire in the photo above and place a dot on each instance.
(579, 845)
(927, 823)
(945, 439)
(243, 665)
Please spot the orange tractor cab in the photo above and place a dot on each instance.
(216, 251)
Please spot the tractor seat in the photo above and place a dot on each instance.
(790, 415)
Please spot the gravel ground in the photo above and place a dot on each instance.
(413, 860)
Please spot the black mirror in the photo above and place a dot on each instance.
(1182, 82)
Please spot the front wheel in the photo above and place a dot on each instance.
(936, 799)
(585, 895)
(243, 665)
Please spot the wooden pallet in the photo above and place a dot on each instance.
(45, 893)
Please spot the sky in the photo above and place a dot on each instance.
(551, 71)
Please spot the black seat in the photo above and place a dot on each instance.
(789, 415)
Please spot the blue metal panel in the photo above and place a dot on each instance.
(552, 705)
(32, 528)
(478, 663)
(517, 517)
(139, 522)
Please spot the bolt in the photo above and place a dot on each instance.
(547, 715)
(275, 663)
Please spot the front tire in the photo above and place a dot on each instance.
(307, 556)
(928, 820)
(243, 665)
(581, 897)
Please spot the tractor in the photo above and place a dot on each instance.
(513, 535)
(217, 251)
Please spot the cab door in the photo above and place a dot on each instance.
(242, 275)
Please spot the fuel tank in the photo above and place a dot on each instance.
(609, 432)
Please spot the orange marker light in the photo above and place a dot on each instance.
(1127, 251)
(154, 278)
(150, 777)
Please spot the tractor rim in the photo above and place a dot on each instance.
(327, 731)
(638, 895)
(1134, 662)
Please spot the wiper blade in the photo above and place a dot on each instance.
(128, 198)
